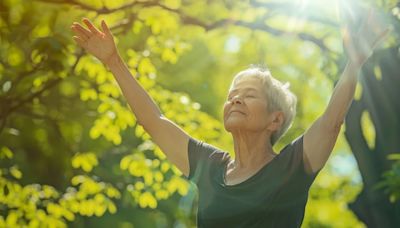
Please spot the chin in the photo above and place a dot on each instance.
(233, 125)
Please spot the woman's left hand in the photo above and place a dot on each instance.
(360, 44)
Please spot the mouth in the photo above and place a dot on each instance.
(236, 111)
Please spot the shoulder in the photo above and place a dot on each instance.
(204, 158)
(291, 156)
(295, 145)
(207, 151)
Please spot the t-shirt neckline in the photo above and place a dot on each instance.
(225, 166)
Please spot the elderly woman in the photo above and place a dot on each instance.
(258, 187)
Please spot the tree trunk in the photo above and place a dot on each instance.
(380, 97)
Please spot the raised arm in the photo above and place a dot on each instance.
(320, 138)
(172, 140)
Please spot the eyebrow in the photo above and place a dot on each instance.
(234, 90)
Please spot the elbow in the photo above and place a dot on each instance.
(337, 126)
(332, 124)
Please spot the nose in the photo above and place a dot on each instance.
(236, 100)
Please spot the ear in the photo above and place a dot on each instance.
(276, 121)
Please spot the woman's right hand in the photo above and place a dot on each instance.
(98, 43)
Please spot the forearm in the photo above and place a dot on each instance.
(144, 108)
(342, 96)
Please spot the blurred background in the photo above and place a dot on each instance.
(73, 155)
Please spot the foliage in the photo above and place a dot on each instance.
(70, 148)
(66, 117)
(36, 205)
(391, 179)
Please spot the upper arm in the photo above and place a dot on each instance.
(172, 140)
(319, 141)
(320, 138)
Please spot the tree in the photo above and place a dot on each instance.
(70, 148)
(378, 107)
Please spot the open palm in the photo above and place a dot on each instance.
(98, 43)
(361, 44)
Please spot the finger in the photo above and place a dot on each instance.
(381, 37)
(79, 33)
(346, 35)
(371, 16)
(105, 28)
(378, 25)
(80, 41)
(91, 26)
(81, 30)
(366, 21)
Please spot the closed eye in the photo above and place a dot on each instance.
(251, 95)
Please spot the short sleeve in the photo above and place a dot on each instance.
(296, 182)
(292, 156)
(203, 158)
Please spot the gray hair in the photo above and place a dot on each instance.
(279, 97)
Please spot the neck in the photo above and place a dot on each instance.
(251, 149)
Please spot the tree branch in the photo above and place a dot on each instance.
(22, 102)
(292, 10)
(189, 20)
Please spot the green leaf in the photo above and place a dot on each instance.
(15, 172)
(125, 161)
(394, 156)
(173, 4)
(147, 200)
(87, 161)
(169, 56)
(368, 129)
(5, 152)
(146, 67)
(112, 208)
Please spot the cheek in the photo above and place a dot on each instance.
(260, 112)
(226, 108)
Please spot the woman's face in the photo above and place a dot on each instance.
(246, 106)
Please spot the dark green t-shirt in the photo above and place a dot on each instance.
(274, 197)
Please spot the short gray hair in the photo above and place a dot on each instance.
(279, 97)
